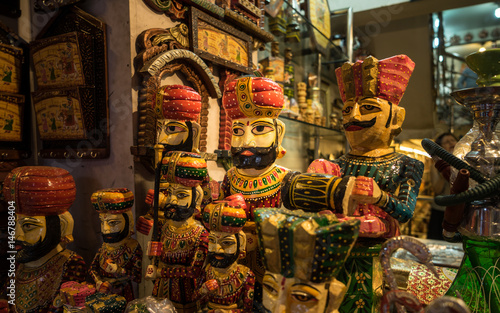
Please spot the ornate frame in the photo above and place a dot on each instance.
(198, 19)
(312, 7)
(154, 63)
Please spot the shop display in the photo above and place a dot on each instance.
(234, 282)
(119, 260)
(372, 117)
(303, 253)
(183, 244)
(478, 154)
(69, 60)
(42, 197)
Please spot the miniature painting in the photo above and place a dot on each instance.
(10, 68)
(59, 115)
(10, 117)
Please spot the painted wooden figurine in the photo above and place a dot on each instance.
(226, 245)
(387, 183)
(42, 196)
(303, 254)
(253, 104)
(177, 109)
(119, 260)
(184, 242)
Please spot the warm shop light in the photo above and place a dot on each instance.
(482, 49)
(416, 151)
(497, 13)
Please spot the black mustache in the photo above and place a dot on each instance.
(364, 124)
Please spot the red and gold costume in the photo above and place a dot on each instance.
(125, 254)
(128, 256)
(235, 291)
(181, 263)
(37, 287)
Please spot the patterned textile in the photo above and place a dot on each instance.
(256, 97)
(386, 79)
(424, 285)
(36, 288)
(235, 290)
(181, 263)
(127, 256)
(177, 102)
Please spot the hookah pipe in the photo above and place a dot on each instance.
(485, 189)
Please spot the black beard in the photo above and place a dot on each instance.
(186, 146)
(261, 158)
(180, 213)
(33, 252)
(119, 236)
(228, 258)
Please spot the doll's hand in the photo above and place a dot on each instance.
(209, 286)
(151, 272)
(144, 225)
(109, 266)
(103, 286)
(150, 197)
(365, 190)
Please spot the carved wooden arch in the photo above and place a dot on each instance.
(168, 63)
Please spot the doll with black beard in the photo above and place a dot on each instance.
(183, 241)
(177, 110)
(228, 286)
(119, 260)
(42, 196)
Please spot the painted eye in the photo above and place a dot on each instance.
(182, 195)
(262, 129)
(227, 243)
(368, 107)
(29, 226)
(270, 289)
(211, 240)
(171, 129)
(238, 132)
(347, 110)
(113, 223)
(303, 296)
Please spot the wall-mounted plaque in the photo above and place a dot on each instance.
(10, 68)
(11, 112)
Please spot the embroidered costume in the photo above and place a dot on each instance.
(37, 287)
(127, 256)
(181, 263)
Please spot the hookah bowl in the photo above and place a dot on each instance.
(478, 279)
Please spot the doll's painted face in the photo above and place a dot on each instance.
(182, 202)
(370, 122)
(36, 236)
(114, 227)
(223, 249)
(176, 135)
(254, 142)
(287, 295)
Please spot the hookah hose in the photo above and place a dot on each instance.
(434, 149)
(485, 189)
(454, 213)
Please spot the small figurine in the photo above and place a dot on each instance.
(387, 183)
(42, 196)
(226, 244)
(184, 242)
(119, 260)
(303, 253)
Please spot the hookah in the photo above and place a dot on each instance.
(473, 214)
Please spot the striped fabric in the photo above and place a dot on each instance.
(112, 200)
